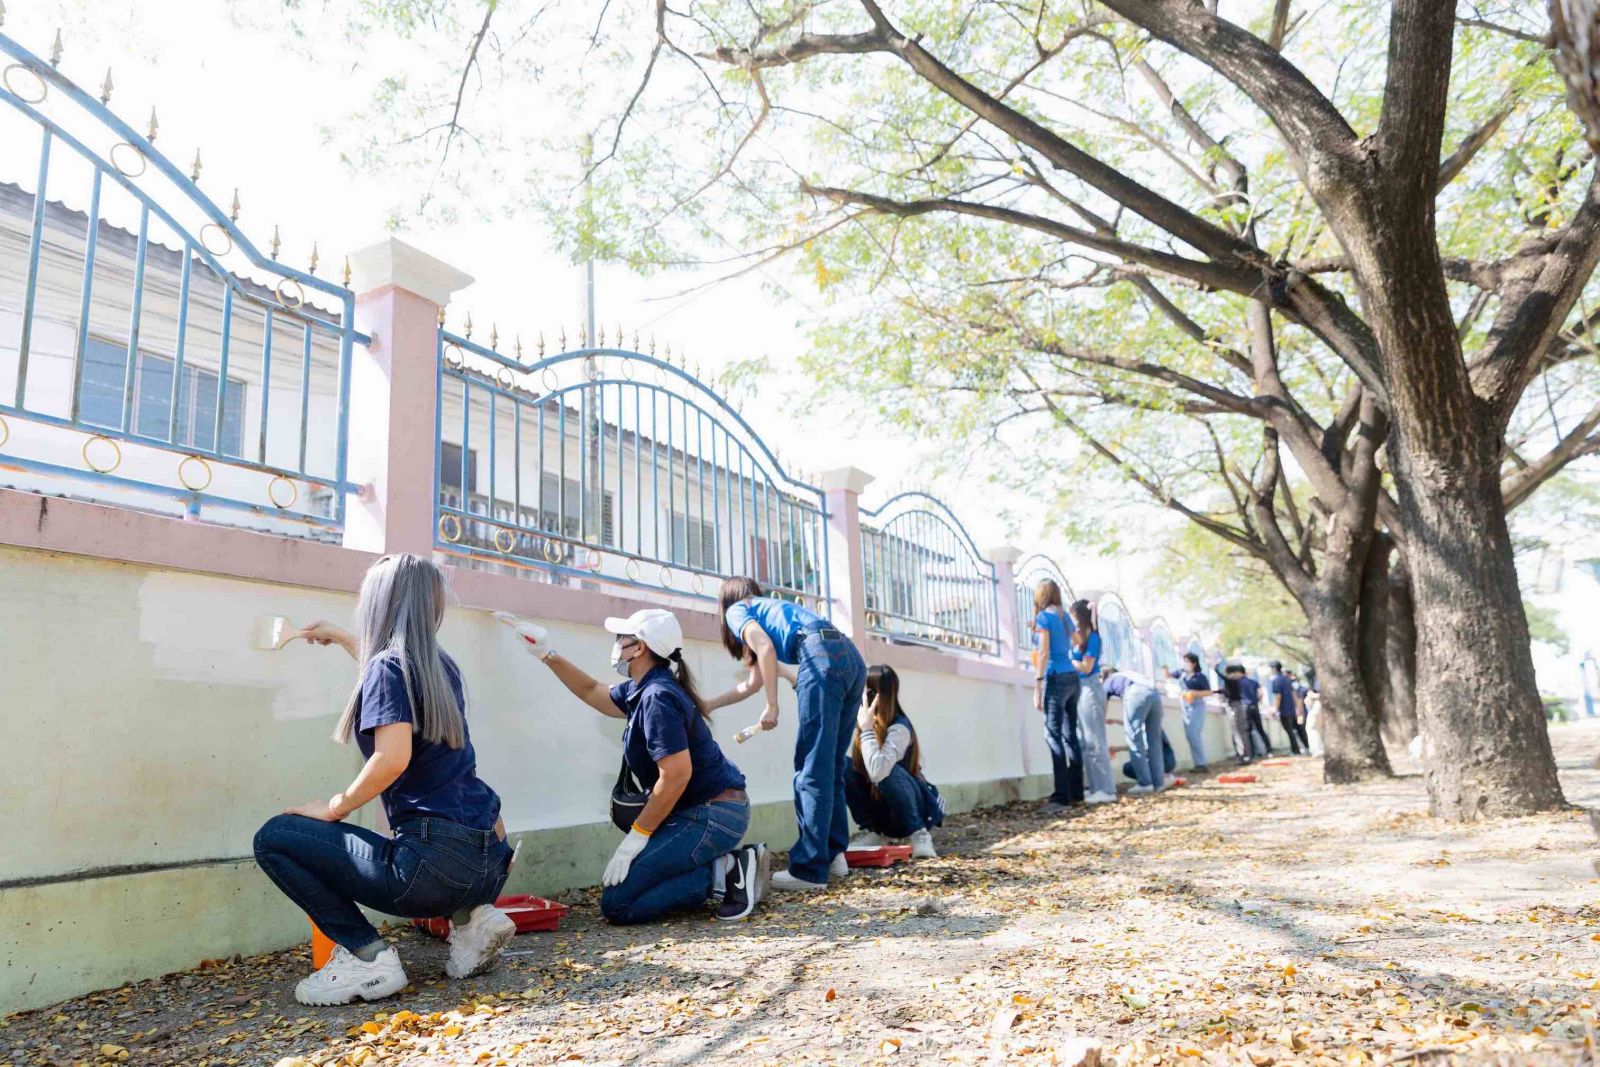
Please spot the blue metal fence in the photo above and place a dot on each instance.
(1120, 645)
(608, 464)
(159, 356)
(1165, 656)
(1030, 571)
(924, 577)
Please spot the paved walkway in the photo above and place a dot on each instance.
(1277, 922)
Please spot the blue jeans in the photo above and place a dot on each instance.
(832, 676)
(1194, 728)
(1141, 716)
(1169, 760)
(675, 869)
(430, 868)
(1061, 737)
(897, 810)
(1092, 730)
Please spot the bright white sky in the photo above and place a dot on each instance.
(256, 109)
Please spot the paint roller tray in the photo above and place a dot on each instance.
(529, 913)
(882, 856)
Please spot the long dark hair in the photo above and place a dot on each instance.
(734, 590)
(1086, 621)
(680, 673)
(883, 692)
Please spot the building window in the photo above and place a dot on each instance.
(101, 399)
(450, 471)
(694, 543)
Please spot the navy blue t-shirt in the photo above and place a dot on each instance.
(1249, 690)
(1194, 680)
(662, 721)
(1282, 691)
(440, 781)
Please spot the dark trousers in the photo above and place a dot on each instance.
(1252, 715)
(831, 678)
(1061, 736)
(430, 868)
(1296, 731)
(674, 871)
(896, 811)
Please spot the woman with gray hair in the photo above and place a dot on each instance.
(448, 855)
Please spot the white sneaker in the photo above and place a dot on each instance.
(1170, 779)
(475, 946)
(1140, 790)
(922, 845)
(347, 976)
(839, 868)
(785, 880)
(1100, 798)
(868, 839)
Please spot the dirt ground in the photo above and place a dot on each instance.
(1277, 922)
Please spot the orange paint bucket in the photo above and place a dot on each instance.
(321, 947)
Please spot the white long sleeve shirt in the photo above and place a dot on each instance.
(881, 759)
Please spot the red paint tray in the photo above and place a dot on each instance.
(529, 913)
(882, 856)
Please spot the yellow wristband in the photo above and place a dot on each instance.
(641, 830)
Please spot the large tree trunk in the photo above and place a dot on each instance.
(1353, 748)
(1401, 654)
(1486, 746)
(1373, 631)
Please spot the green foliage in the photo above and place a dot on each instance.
(1544, 625)
(1236, 596)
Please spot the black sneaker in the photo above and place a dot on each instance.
(746, 882)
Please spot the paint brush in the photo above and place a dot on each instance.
(272, 632)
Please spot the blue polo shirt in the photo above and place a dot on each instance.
(1193, 680)
(1282, 691)
(1091, 648)
(1249, 690)
(783, 621)
(440, 781)
(662, 721)
(1054, 622)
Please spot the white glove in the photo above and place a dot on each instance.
(623, 858)
(537, 637)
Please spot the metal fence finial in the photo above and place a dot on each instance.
(519, 347)
(619, 335)
(277, 242)
(56, 50)
(494, 336)
(106, 87)
(441, 318)
(600, 338)
(194, 171)
(636, 340)
(314, 257)
(2, 12)
(233, 211)
(652, 344)
(466, 327)
(541, 344)
(583, 335)
(667, 350)
(150, 134)
(562, 340)
(347, 275)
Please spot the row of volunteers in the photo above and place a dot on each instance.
(856, 750)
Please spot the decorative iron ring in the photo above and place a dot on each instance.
(44, 89)
(511, 540)
(299, 290)
(551, 380)
(454, 358)
(87, 462)
(452, 538)
(661, 375)
(627, 369)
(184, 462)
(592, 561)
(632, 570)
(207, 228)
(505, 379)
(697, 585)
(5, 430)
(872, 619)
(144, 164)
(665, 578)
(272, 496)
(591, 368)
(552, 551)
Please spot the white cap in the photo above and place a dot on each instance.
(658, 628)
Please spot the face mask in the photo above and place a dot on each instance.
(618, 663)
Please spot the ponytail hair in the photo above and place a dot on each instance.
(680, 674)
(1086, 619)
(732, 591)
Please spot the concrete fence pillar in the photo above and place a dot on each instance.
(394, 399)
(1004, 558)
(847, 582)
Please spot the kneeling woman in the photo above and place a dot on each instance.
(448, 855)
(887, 796)
(683, 849)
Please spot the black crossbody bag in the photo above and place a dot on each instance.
(628, 798)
